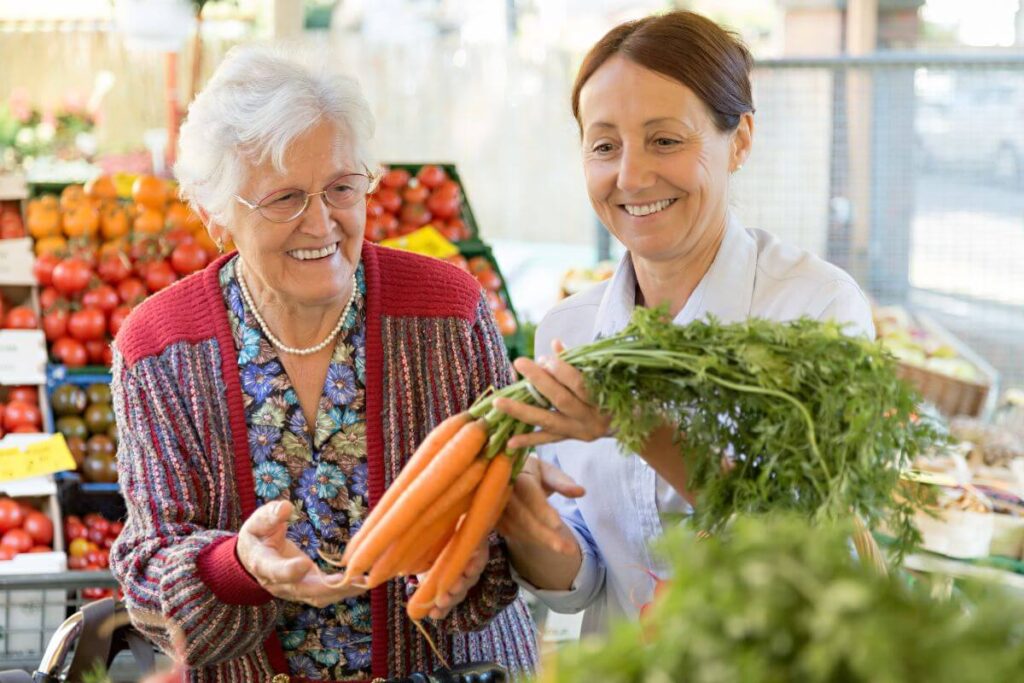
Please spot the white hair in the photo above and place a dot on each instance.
(259, 100)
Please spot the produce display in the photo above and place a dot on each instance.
(818, 423)
(23, 529)
(917, 346)
(89, 540)
(490, 279)
(576, 280)
(19, 410)
(17, 317)
(86, 419)
(409, 197)
(11, 225)
(774, 599)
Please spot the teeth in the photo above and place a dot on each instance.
(308, 254)
(647, 209)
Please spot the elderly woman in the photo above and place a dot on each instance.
(266, 402)
(666, 117)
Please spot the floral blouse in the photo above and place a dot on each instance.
(321, 470)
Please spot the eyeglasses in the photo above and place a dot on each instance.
(287, 205)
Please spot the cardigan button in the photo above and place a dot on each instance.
(281, 678)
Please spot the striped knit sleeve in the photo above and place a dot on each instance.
(496, 589)
(176, 471)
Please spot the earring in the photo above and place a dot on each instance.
(220, 245)
(738, 167)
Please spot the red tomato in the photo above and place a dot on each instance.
(457, 224)
(43, 268)
(103, 297)
(176, 237)
(506, 322)
(55, 324)
(373, 207)
(415, 214)
(389, 222)
(96, 537)
(100, 523)
(17, 540)
(494, 301)
(11, 515)
(39, 527)
(71, 276)
(131, 290)
(374, 231)
(21, 318)
(431, 175)
(188, 258)
(76, 563)
(6, 553)
(159, 275)
(94, 593)
(19, 413)
(416, 194)
(395, 178)
(70, 352)
(448, 188)
(389, 199)
(115, 529)
(95, 349)
(117, 318)
(479, 264)
(114, 268)
(443, 207)
(87, 324)
(451, 234)
(95, 557)
(459, 261)
(488, 279)
(24, 394)
(406, 229)
(108, 355)
(74, 529)
(48, 298)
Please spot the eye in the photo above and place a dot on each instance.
(342, 187)
(286, 197)
(603, 148)
(665, 142)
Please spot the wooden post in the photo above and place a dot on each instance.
(861, 39)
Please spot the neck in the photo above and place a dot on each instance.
(671, 282)
(297, 325)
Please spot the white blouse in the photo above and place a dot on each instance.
(753, 275)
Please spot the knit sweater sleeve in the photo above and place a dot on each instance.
(184, 587)
(496, 589)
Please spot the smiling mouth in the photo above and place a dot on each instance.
(314, 254)
(640, 210)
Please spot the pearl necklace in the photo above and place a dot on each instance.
(281, 345)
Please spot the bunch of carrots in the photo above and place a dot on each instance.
(443, 504)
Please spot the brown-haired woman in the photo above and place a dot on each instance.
(666, 116)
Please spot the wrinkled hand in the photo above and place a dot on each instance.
(443, 604)
(280, 566)
(572, 415)
(529, 519)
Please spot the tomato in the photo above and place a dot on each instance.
(71, 276)
(76, 563)
(17, 540)
(96, 557)
(94, 593)
(373, 207)
(459, 261)
(406, 229)
(79, 547)
(96, 537)
(416, 194)
(87, 324)
(389, 199)
(443, 207)
(55, 324)
(479, 264)
(457, 226)
(389, 222)
(374, 231)
(11, 515)
(49, 297)
(415, 214)
(488, 279)
(175, 238)
(74, 529)
(43, 268)
(95, 349)
(506, 322)
(103, 297)
(159, 275)
(19, 413)
(6, 553)
(395, 178)
(448, 188)
(451, 234)
(39, 527)
(23, 394)
(40, 549)
(115, 529)
(114, 268)
(117, 318)
(431, 175)
(494, 301)
(21, 318)
(70, 352)
(132, 291)
(188, 258)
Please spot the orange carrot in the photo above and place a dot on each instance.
(426, 560)
(488, 503)
(442, 471)
(430, 447)
(422, 601)
(423, 534)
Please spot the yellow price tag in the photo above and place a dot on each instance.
(427, 241)
(45, 456)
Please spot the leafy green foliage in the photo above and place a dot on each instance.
(774, 600)
(812, 420)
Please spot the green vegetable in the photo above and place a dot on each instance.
(813, 420)
(774, 600)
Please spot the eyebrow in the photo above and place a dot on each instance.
(648, 122)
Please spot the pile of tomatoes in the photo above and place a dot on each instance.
(89, 540)
(11, 226)
(23, 529)
(403, 203)
(19, 410)
(485, 273)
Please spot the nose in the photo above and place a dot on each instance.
(318, 216)
(636, 170)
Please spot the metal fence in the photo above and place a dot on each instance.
(908, 171)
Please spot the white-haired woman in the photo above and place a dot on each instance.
(266, 402)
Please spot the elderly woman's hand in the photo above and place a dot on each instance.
(280, 566)
(572, 416)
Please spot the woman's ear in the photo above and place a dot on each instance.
(218, 233)
(742, 141)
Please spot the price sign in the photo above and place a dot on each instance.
(16, 262)
(45, 456)
(426, 241)
(22, 357)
